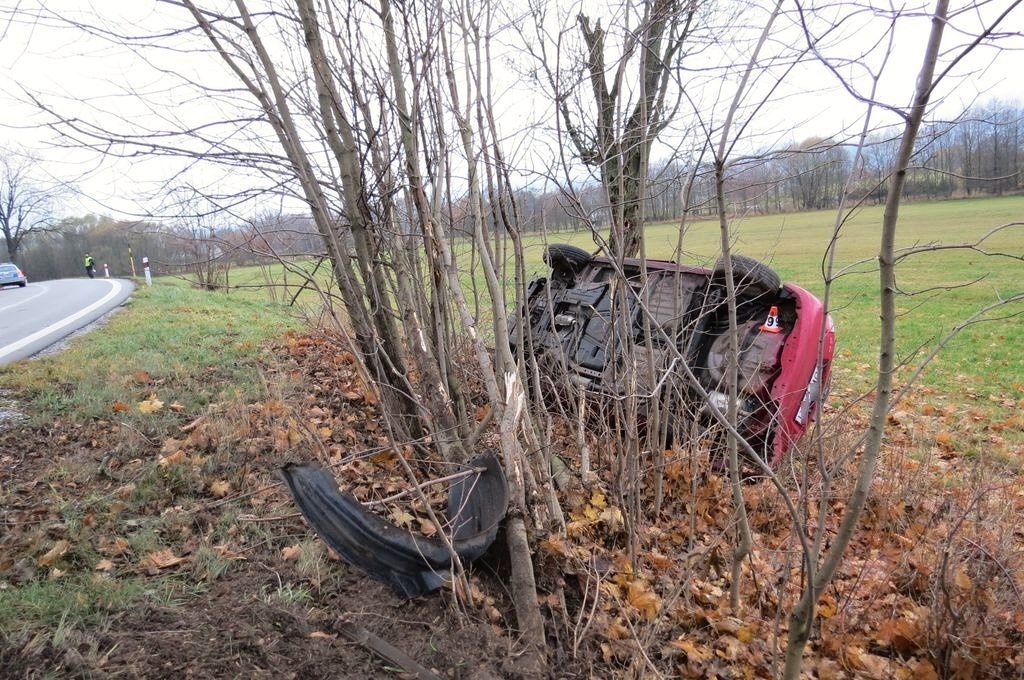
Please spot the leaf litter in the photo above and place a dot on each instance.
(932, 584)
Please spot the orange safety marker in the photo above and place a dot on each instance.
(771, 324)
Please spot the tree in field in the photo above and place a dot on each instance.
(823, 552)
(822, 559)
(816, 171)
(999, 148)
(26, 203)
(615, 91)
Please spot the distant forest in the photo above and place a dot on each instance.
(978, 154)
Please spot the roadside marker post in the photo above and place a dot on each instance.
(106, 271)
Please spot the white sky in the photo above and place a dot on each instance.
(84, 72)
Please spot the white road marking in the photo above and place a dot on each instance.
(115, 289)
(37, 289)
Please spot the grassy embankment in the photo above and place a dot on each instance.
(78, 469)
(191, 347)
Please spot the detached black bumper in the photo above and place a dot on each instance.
(410, 563)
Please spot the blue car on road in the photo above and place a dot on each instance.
(11, 275)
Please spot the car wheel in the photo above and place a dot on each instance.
(751, 277)
(561, 257)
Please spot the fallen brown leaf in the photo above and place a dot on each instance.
(162, 559)
(55, 553)
(151, 405)
(220, 488)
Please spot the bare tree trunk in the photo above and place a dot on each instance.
(742, 546)
(617, 143)
(802, 616)
(439, 401)
(509, 407)
(381, 349)
(726, 141)
(374, 334)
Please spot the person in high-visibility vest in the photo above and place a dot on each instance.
(90, 266)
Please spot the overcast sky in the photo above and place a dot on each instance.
(85, 74)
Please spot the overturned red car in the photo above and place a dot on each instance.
(675, 346)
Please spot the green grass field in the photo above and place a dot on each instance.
(940, 289)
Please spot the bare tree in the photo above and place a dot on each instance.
(816, 172)
(379, 195)
(615, 94)
(822, 562)
(27, 203)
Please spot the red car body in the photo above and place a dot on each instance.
(802, 383)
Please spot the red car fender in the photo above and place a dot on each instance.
(799, 378)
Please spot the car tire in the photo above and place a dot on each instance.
(751, 277)
(564, 257)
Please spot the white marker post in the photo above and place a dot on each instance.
(106, 270)
(145, 268)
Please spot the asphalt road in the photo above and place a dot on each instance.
(40, 314)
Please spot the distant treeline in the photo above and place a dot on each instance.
(200, 252)
(980, 153)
